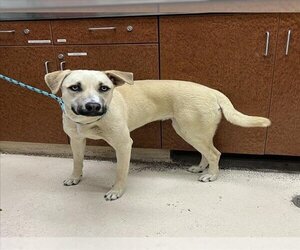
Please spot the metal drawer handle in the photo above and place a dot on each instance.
(39, 41)
(7, 31)
(46, 67)
(62, 65)
(267, 43)
(77, 53)
(288, 42)
(102, 28)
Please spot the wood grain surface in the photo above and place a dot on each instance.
(77, 31)
(284, 134)
(225, 52)
(27, 116)
(37, 31)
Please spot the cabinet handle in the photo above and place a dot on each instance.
(102, 28)
(46, 67)
(7, 31)
(267, 43)
(288, 42)
(77, 53)
(62, 65)
(39, 41)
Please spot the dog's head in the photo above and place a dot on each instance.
(86, 92)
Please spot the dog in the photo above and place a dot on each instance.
(99, 105)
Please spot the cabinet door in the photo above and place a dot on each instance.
(225, 52)
(284, 134)
(27, 116)
(142, 60)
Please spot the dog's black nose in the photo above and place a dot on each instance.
(93, 107)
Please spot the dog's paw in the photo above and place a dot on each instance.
(196, 169)
(208, 177)
(113, 194)
(72, 181)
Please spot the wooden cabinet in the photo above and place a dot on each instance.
(284, 134)
(225, 52)
(141, 59)
(27, 116)
(25, 33)
(228, 52)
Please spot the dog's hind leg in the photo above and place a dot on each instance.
(203, 163)
(202, 143)
(201, 167)
(213, 157)
(211, 154)
(78, 147)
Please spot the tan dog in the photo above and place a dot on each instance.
(95, 109)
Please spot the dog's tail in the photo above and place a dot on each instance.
(238, 118)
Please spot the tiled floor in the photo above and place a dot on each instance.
(159, 201)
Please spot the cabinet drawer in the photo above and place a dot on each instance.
(125, 57)
(106, 30)
(25, 33)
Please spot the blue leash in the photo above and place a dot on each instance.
(34, 89)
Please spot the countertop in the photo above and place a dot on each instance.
(59, 9)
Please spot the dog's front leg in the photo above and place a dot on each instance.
(123, 153)
(78, 147)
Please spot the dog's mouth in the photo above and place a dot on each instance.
(84, 112)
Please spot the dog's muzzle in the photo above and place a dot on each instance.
(90, 109)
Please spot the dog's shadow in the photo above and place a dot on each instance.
(92, 184)
(101, 179)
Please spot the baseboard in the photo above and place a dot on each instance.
(240, 161)
(228, 161)
(94, 152)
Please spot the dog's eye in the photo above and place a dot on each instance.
(75, 88)
(104, 88)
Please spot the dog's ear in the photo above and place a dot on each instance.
(55, 79)
(119, 77)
